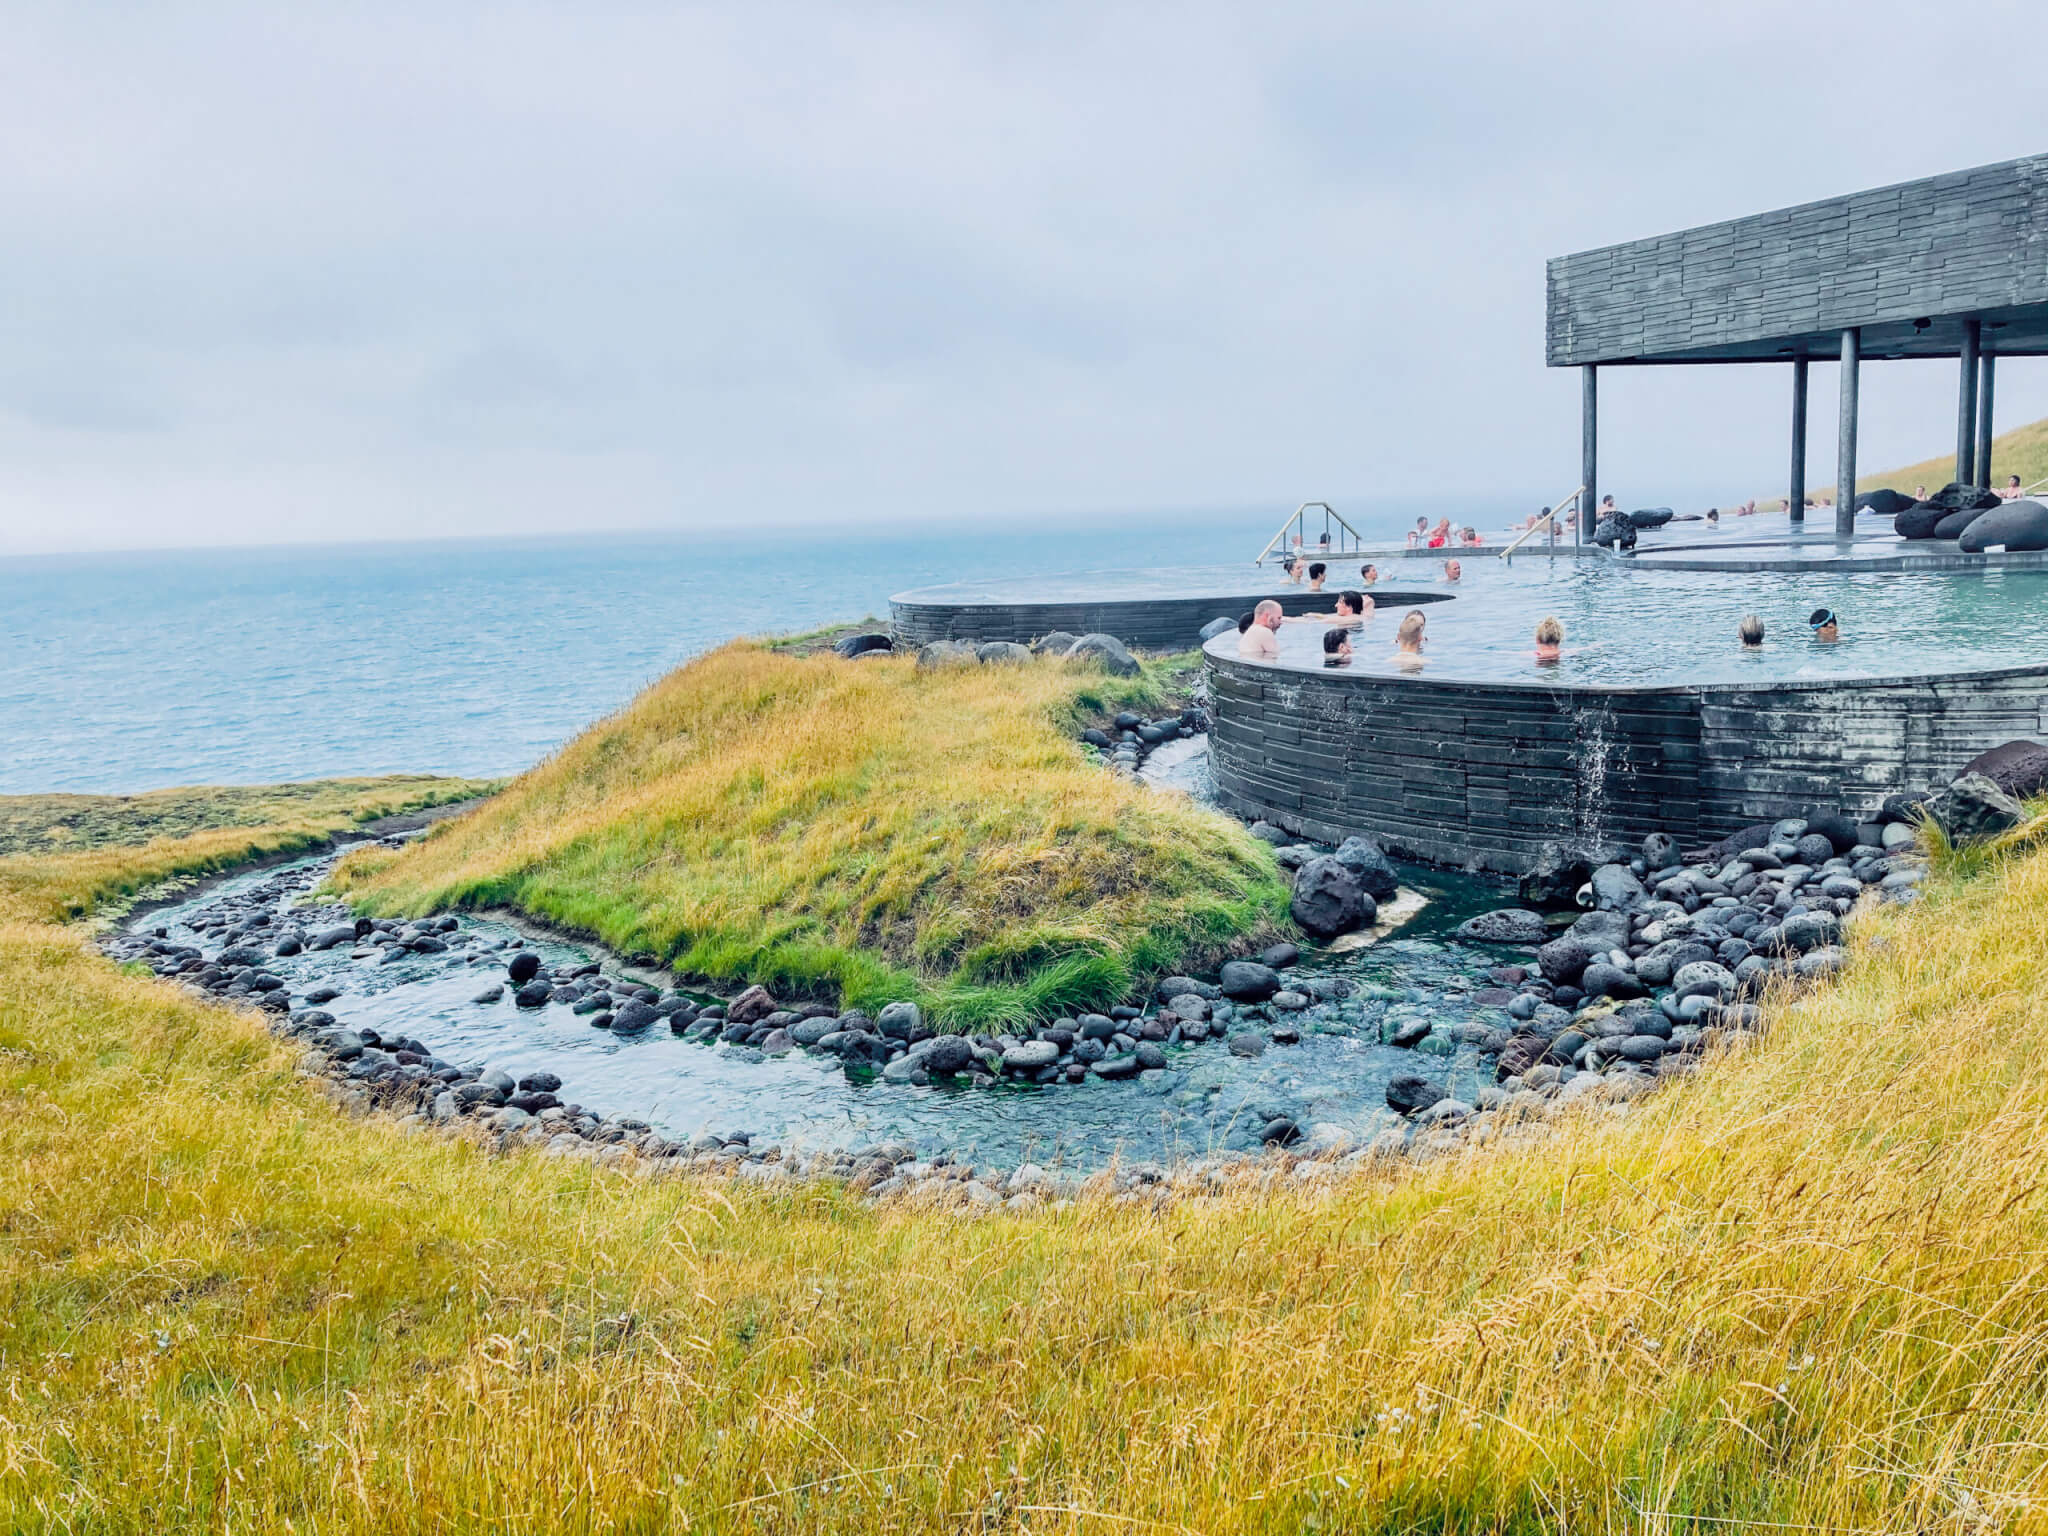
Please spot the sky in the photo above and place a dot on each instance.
(299, 273)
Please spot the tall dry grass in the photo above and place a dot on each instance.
(1803, 1291)
(862, 829)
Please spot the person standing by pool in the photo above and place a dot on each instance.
(1259, 642)
(1751, 632)
(1824, 626)
(1549, 641)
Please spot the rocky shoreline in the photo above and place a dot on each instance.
(1664, 953)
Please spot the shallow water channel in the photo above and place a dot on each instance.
(1332, 1084)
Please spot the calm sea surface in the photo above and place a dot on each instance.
(134, 671)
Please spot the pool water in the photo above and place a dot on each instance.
(1635, 626)
(1209, 1100)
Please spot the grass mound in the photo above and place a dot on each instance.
(865, 829)
(1802, 1291)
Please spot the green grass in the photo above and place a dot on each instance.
(2022, 451)
(1802, 1291)
(863, 831)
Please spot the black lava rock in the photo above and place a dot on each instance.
(1248, 981)
(523, 967)
(1329, 900)
(1411, 1095)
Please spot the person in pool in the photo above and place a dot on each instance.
(1336, 648)
(1824, 626)
(1318, 573)
(2010, 491)
(1408, 641)
(1419, 532)
(1549, 640)
(1368, 574)
(1244, 622)
(1353, 609)
(1440, 535)
(1296, 568)
(1751, 632)
(1453, 571)
(1259, 642)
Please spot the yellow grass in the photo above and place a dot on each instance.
(864, 830)
(2022, 451)
(191, 831)
(1802, 1292)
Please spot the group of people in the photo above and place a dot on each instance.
(1258, 632)
(1443, 536)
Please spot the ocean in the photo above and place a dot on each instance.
(132, 671)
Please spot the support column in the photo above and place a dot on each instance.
(1989, 358)
(1966, 407)
(1589, 452)
(1795, 496)
(1845, 448)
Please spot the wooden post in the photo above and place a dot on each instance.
(1795, 500)
(1987, 359)
(1845, 447)
(1966, 407)
(1589, 452)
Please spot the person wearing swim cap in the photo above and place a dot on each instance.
(1824, 626)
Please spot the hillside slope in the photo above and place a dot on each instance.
(865, 829)
(2022, 451)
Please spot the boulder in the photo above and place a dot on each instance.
(1108, 652)
(750, 1007)
(1054, 644)
(1375, 871)
(1616, 889)
(1650, 517)
(1218, 626)
(1520, 1054)
(633, 1017)
(855, 645)
(523, 967)
(1737, 842)
(2014, 527)
(947, 653)
(1884, 502)
(1615, 532)
(899, 1021)
(1411, 1095)
(1328, 899)
(1506, 925)
(1030, 1055)
(535, 994)
(1247, 981)
(1562, 961)
(1001, 651)
(1279, 956)
(1554, 878)
(1809, 930)
(1838, 829)
(1116, 1068)
(1600, 979)
(1660, 851)
(2020, 768)
(1919, 520)
(1954, 524)
(1957, 497)
(1974, 806)
(329, 938)
(1704, 976)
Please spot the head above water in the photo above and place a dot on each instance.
(1409, 636)
(1244, 622)
(1453, 570)
(1751, 630)
(1318, 571)
(1267, 614)
(1336, 642)
(1549, 631)
(1353, 603)
(1368, 574)
(1823, 623)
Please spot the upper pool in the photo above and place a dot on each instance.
(1629, 625)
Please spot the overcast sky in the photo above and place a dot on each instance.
(312, 273)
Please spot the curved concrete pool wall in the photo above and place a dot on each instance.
(1158, 623)
(1489, 775)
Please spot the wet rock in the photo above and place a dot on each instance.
(1520, 1054)
(1266, 832)
(1615, 532)
(331, 938)
(1563, 960)
(1554, 878)
(1116, 1068)
(1409, 1094)
(523, 967)
(633, 1017)
(1660, 851)
(539, 1082)
(1973, 807)
(1248, 981)
(750, 1007)
(1030, 1056)
(1247, 1045)
(535, 994)
(1106, 651)
(1884, 502)
(948, 1056)
(1508, 925)
(1601, 979)
(1375, 871)
(1280, 956)
(1616, 889)
(1329, 899)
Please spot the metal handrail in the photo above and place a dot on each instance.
(1549, 518)
(1294, 519)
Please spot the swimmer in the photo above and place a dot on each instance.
(1919, 493)
(1336, 648)
(1368, 574)
(1453, 571)
(1259, 642)
(1408, 640)
(1352, 608)
(2010, 491)
(1549, 640)
(1751, 632)
(1295, 569)
(1440, 535)
(1824, 626)
(1317, 574)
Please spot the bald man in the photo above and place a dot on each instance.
(1262, 642)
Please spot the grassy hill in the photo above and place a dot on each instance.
(2022, 451)
(868, 830)
(1801, 1291)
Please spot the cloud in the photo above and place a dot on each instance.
(459, 268)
